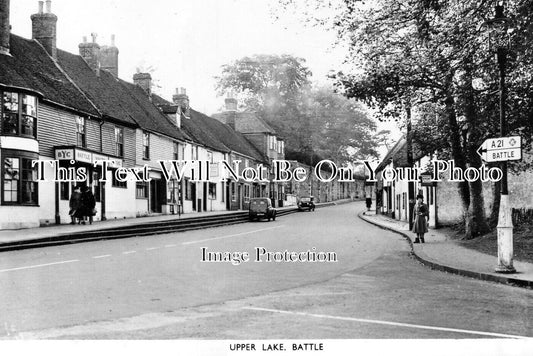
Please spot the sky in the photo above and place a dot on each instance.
(185, 43)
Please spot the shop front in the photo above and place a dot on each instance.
(81, 167)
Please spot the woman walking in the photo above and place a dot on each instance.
(421, 216)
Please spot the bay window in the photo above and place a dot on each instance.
(19, 181)
(18, 113)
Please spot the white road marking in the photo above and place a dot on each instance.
(128, 252)
(102, 256)
(228, 236)
(390, 323)
(152, 248)
(38, 266)
(171, 245)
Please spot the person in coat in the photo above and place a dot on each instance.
(421, 218)
(87, 205)
(74, 204)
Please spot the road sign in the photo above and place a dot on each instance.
(501, 149)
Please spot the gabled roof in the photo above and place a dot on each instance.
(30, 67)
(245, 122)
(224, 134)
(148, 115)
(210, 132)
(398, 155)
(116, 99)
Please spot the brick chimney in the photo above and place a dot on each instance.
(231, 110)
(5, 27)
(144, 80)
(109, 57)
(90, 52)
(44, 28)
(231, 104)
(182, 101)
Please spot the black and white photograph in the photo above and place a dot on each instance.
(226, 177)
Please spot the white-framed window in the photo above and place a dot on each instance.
(19, 183)
(146, 145)
(119, 141)
(81, 132)
(18, 113)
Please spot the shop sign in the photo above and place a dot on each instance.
(98, 157)
(64, 154)
(83, 156)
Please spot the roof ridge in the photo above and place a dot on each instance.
(56, 63)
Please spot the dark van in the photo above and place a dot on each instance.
(261, 208)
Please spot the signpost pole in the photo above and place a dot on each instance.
(505, 221)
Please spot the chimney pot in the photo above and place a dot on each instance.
(231, 104)
(90, 52)
(182, 100)
(109, 57)
(44, 28)
(94, 35)
(144, 80)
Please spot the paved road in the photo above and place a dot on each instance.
(157, 287)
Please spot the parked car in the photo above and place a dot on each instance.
(306, 203)
(261, 208)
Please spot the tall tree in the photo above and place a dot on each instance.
(409, 53)
(317, 122)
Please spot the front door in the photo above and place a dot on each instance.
(157, 195)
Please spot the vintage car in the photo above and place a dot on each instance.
(306, 203)
(261, 208)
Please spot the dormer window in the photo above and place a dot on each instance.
(18, 113)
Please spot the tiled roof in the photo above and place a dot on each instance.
(116, 99)
(398, 155)
(148, 115)
(246, 122)
(233, 140)
(212, 133)
(30, 67)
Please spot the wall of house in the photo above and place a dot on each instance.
(161, 148)
(108, 142)
(520, 189)
(119, 201)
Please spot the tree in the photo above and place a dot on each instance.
(414, 53)
(316, 122)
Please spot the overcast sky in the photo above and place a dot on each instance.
(185, 42)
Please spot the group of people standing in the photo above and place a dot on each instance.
(82, 205)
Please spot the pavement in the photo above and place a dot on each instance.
(31, 234)
(442, 253)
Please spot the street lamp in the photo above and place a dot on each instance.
(499, 32)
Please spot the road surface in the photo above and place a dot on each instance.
(158, 287)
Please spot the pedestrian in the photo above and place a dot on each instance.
(74, 204)
(87, 205)
(421, 216)
(368, 201)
